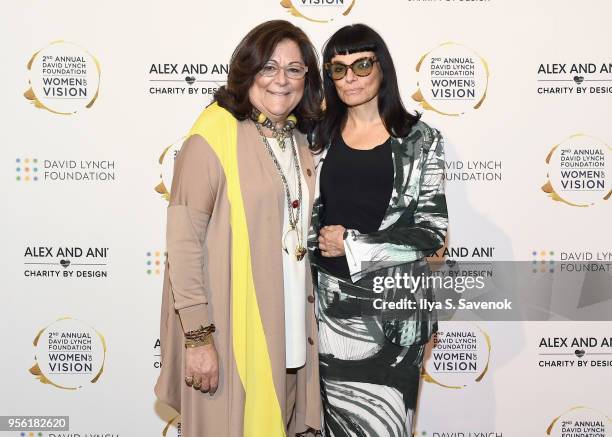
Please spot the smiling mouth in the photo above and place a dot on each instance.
(355, 91)
(286, 93)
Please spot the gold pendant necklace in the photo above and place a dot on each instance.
(294, 207)
(300, 250)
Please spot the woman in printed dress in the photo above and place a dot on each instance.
(379, 211)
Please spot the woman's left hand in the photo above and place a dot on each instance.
(331, 240)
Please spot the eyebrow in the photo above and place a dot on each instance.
(292, 62)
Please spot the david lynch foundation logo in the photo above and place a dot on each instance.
(69, 354)
(452, 79)
(543, 261)
(173, 427)
(166, 162)
(64, 78)
(318, 11)
(479, 171)
(65, 170)
(459, 356)
(26, 169)
(579, 171)
(580, 421)
(155, 262)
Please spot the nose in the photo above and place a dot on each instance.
(350, 76)
(281, 77)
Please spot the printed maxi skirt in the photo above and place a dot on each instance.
(369, 385)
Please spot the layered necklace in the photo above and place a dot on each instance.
(279, 134)
(294, 206)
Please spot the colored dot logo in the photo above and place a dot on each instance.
(27, 169)
(155, 262)
(542, 261)
(31, 434)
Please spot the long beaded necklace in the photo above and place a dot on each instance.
(293, 206)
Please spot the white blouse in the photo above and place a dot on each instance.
(294, 271)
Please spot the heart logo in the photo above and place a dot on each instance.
(579, 353)
(190, 79)
(578, 79)
(65, 263)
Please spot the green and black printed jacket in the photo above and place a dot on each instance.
(413, 227)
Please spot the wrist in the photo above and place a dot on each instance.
(203, 344)
(201, 336)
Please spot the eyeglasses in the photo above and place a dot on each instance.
(362, 67)
(292, 71)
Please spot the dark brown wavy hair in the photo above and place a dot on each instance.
(250, 56)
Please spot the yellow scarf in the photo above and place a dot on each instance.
(262, 413)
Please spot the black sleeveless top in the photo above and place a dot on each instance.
(356, 187)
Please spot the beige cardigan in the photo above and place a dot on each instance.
(197, 286)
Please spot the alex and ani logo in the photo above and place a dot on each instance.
(64, 78)
(318, 11)
(48, 261)
(26, 169)
(452, 79)
(563, 351)
(565, 78)
(184, 79)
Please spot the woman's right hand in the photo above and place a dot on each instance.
(202, 364)
(331, 240)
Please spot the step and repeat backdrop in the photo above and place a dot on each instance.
(96, 99)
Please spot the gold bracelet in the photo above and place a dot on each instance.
(200, 336)
(200, 332)
(195, 343)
